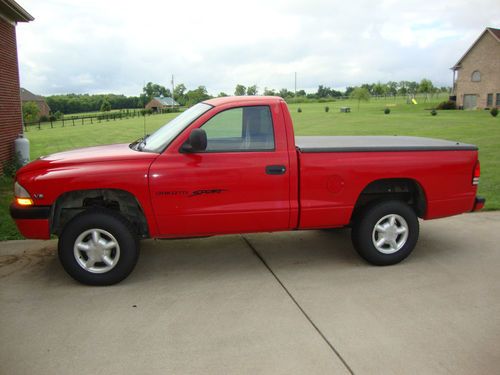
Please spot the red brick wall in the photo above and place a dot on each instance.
(10, 103)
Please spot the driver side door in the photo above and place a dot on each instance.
(240, 183)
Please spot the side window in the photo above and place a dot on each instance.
(240, 129)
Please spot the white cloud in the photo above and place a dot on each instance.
(115, 46)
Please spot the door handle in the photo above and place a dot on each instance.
(275, 169)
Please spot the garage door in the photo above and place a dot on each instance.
(470, 101)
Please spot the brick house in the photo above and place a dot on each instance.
(476, 76)
(161, 102)
(28, 96)
(10, 103)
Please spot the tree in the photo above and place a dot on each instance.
(379, 89)
(323, 91)
(269, 92)
(252, 90)
(285, 93)
(105, 106)
(348, 90)
(198, 95)
(30, 112)
(301, 93)
(392, 88)
(179, 94)
(240, 90)
(360, 93)
(425, 86)
(222, 94)
(153, 89)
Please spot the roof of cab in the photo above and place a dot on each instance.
(250, 99)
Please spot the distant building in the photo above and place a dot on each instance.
(476, 76)
(11, 123)
(159, 102)
(28, 96)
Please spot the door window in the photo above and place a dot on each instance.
(240, 129)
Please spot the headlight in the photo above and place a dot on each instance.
(22, 196)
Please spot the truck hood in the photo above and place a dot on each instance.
(117, 152)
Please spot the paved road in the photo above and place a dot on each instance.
(283, 303)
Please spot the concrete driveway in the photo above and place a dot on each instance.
(283, 303)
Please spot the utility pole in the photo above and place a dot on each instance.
(172, 91)
(295, 89)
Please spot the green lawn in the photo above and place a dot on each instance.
(477, 127)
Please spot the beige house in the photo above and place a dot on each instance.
(476, 76)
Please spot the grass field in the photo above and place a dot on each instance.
(477, 127)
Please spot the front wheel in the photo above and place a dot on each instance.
(385, 233)
(98, 247)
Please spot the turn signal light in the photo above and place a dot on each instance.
(24, 201)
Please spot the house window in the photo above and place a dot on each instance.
(476, 76)
(498, 99)
(489, 100)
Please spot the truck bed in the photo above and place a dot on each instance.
(376, 144)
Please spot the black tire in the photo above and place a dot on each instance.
(365, 236)
(113, 231)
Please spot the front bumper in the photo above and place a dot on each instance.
(32, 221)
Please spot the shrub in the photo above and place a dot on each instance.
(327, 108)
(494, 112)
(52, 117)
(299, 110)
(450, 104)
(434, 112)
(59, 115)
(43, 118)
(12, 165)
(387, 111)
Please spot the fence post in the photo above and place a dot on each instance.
(91, 121)
(51, 124)
(73, 121)
(63, 121)
(82, 120)
(39, 128)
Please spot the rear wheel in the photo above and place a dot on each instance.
(98, 247)
(385, 233)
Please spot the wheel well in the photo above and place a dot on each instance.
(72, 203)
(403, 189)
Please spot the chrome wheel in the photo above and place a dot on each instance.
(96, 251)
(390, 234)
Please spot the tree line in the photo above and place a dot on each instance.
(76, 103)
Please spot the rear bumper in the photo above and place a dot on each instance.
(479, 203)
(32, 222)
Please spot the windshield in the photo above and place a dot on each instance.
(161, 138)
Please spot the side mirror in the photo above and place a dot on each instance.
(197, 141)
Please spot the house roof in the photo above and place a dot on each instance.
(14, 12)
(28, 96)
(494, 32)
(165, 100)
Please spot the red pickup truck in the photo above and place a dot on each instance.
(233, 165)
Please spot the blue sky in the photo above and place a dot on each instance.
(97, 46)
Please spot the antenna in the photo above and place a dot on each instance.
(144, 111)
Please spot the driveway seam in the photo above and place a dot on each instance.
(335, 351)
